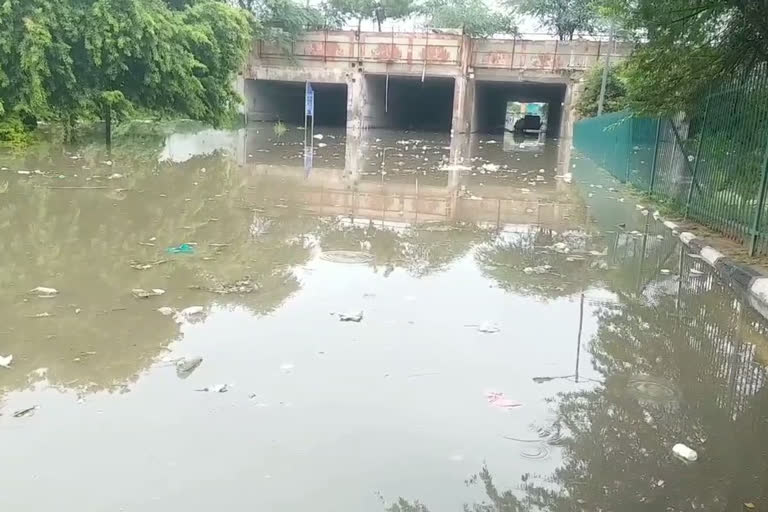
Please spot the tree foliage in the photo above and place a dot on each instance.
(281, 21)
(378, 10)
(687, 45)
(565, 18)
(68, 59)
(473, 17)
(615, 92)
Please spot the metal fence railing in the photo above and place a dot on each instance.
(711, 164)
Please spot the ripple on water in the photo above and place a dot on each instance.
(653, 389)
(535, 452)
(347, 256)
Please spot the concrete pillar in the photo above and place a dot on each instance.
(464, 91)
(356, 100)
(573, 92)
(357, 97)
(463, 104)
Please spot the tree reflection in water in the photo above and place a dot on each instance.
(680, 368)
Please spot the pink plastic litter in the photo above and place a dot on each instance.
(497, 399)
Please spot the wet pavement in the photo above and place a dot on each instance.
(525, 343)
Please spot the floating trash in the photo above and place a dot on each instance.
(191, 311)
(181, 249)
(685, 453)
(488, 328)
(185, 366)
(5, 361)
(241, 286)
(25, 413)
(166, 311)
(44, 291)
(141, 293)
(216, 388)
(347, 256)
(351, 316)
(541, 269)
(497, 399)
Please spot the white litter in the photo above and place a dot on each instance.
(351, 316)
(165, 311)
(319, 136)
(5, 361)
(141, 293)
(43, 291)
(488, 328)
(685, 453)
(216, 388)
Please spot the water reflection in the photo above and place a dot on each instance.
(617, 343)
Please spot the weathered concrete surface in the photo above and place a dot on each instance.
(350, 58)
(330, 191)
(328, 53)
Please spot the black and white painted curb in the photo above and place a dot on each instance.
(750, 282)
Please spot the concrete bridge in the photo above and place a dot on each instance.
(441, 82)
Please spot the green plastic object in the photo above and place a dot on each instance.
(181, 249)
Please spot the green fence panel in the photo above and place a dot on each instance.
(711, 164)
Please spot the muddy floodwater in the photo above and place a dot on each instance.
(222, 320)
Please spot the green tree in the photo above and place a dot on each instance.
(281, 21)
(687, 45)
(615, 92)
(379, 10)
(564, 17)
(473, 17)
(72, 60)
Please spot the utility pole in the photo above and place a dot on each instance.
(601, 102)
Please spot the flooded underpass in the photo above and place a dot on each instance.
(218, 318)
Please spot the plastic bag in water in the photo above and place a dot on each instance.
(181, 249)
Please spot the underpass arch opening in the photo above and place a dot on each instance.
(492, 98)
(409, 103)
(279, 100)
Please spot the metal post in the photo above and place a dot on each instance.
(655, 157)
(698, 154)
(578, 338)
(601, 101)
(512, 60)
(386, 93)
(426, 52)
(631, 150)
(392, 46)
(554, 57)
(306, 89)
(760, 205)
